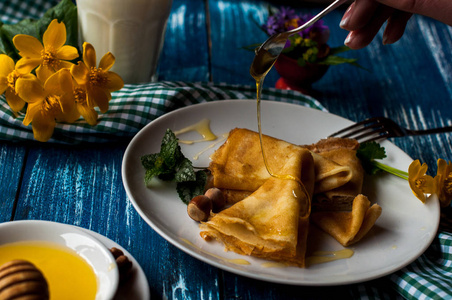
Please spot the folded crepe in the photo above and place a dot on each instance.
(238, 168)
(348, 227)
(343, 153)
(271, 223)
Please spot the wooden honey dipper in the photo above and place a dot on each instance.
(21, 280)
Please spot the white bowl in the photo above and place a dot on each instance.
(85, 245)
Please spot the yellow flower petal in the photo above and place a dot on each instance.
(70, 113)
(115, 82)
(44, 72)
(65, 65)
(3, 84)
(52, 84)
(67, 53)
(32, 110)
(444, 182)
(30, 89)
(14, 101)
(28, 46)
(89, 55)
(80, 73)
(6, 65)
(98, 96)
(67, 100)
(55, 35)
(26, 65)
(43, 127)
(419, 182)
(107, 61)
(89, 114)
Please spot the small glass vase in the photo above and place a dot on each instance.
(296, 77)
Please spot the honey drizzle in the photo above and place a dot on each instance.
(224, 136)
(202, 128)
(259, 83)
(320, 257)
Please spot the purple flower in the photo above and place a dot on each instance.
(286, 19)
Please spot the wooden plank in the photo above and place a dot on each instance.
(185, 55)
(234, 26)
(12, 159)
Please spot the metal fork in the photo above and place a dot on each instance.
(270, 50)
(381, 128)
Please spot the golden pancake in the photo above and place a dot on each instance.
(343, 153)
(348, 227)
(238, 168)
(272, 222)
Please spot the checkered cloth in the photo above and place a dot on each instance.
(134, 106)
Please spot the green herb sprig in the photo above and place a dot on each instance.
(170, 164)
(368, 153)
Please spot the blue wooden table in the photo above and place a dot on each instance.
(410, 82)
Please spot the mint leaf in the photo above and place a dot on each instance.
(171, 165)
(148, 161)
(185, 171)
(170, 150)
(367, 153)
(189, 189)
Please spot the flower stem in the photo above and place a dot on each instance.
(391, 170)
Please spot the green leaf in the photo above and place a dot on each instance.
(189, 189)
(170, 150)
(337, 50)
(367, 153)
(171, 165)
(148, 161)
(185, 171)
(337, 60)
(371, 151)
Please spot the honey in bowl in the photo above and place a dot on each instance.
(68, 275)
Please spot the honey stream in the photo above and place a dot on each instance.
(262, 63)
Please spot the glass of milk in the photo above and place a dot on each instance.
(132, 30)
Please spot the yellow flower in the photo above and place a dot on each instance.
(81, 103)
(50, 56)
(420, 183)
(443, 181)
(98, 81)
(8, 78)
(49, 103)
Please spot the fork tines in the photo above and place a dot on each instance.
(371, 129)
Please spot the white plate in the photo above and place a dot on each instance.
(402, 233)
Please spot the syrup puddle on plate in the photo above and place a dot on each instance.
(202, 128)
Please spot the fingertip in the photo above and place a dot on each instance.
(345, 19)
(348, 39)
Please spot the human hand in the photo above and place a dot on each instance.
(364, 18)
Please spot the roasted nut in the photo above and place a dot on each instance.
(217, 197)
(123, 262)
(20, 277)
(199, 208)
